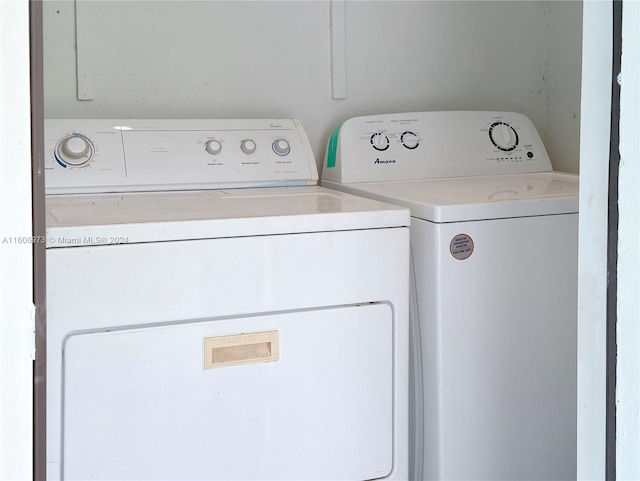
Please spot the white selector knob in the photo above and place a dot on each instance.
(214, 147)
(503, 136)
(410, 140)
(380, 141)
(74, 150)
(248, 146)
(281, 147)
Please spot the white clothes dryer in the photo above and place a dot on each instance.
(214, 315)
(494, 235)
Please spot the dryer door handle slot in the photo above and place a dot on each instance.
(238, 349)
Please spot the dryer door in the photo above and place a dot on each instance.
(297, 395)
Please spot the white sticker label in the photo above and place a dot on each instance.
(461, 246)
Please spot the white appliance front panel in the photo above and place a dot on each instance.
(429, 145)
(498, 346)
(139, 404)
(140, 286)
(471, 198)
(127, 155)
(98, 219)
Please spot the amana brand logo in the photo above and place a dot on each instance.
(378, 161)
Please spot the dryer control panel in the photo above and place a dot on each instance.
(428, 145)
(115, 155)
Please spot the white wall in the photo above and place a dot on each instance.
(592, 260)
(628, 328)
(200, 59)
(16, 342)
(596, 114)
(563, 48)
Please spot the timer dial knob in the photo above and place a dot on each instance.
(503, 136)
(74, 150)
(248, 146)
(410, 140)
(379, 141)
(281, 147)
(214, 147)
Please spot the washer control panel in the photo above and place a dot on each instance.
(115, 155)
(425, 145)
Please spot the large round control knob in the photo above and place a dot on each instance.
(214, 147)
(503, 136)
(410, 140)
(281, 147)
(379, 141)
(74, 150)
(248, 146)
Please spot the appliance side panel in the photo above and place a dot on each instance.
(508, 340)
(425, 242)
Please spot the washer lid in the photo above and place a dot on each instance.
(477, 198)
(76, 220)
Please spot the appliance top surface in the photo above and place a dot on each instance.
(98, 219)
(477, 198)
(113, 181)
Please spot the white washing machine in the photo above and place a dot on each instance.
(214, 315)
(494, 236)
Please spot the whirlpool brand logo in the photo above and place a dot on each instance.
(378, 161)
